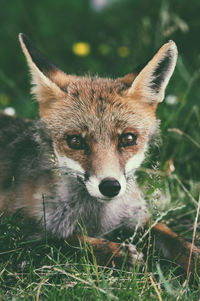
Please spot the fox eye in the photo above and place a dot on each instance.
(75, 142)
(127, 139)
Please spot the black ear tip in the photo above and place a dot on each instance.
(24, 39)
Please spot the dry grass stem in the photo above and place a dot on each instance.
(193, 238)
(185, 135)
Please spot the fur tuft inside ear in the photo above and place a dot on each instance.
(47, 79)
(151, 82)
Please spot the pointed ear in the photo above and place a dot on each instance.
(150, 84)
(48, 80)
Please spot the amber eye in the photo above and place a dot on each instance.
(75, 142)
(127, 139)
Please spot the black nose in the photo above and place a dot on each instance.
(109, 187)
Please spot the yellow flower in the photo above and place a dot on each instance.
(81, 48)
(123, 51)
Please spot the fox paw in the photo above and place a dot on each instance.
(130, 254)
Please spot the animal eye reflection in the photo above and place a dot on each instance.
(75, 142)
(127, 139)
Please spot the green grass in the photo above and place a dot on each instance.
(35, 270)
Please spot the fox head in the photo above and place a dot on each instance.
(100, 127)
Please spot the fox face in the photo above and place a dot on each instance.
(101, 128)
(99, 134)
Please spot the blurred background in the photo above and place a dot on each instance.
(111, 38)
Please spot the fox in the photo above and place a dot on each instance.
(74, 168)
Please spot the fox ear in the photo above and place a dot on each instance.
(48, 80)
(150, 84)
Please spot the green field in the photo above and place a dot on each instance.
(109, 42)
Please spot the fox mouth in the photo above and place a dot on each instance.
(100, 188)
(103, 189)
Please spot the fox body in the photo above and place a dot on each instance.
(76, 165)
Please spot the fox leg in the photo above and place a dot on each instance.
(168, 242)
(107, 252)
(176, 248)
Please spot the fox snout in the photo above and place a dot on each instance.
(106, 187)
(106, 178)
(109, 187)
